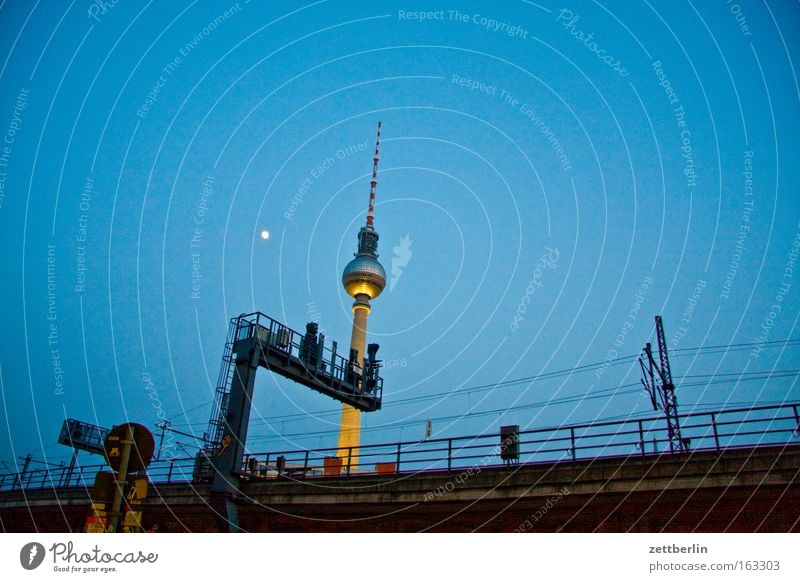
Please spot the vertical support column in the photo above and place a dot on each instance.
(71, 468)
(228, 460)
(121, 480)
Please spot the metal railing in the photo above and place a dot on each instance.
(704, 431)
(315, 355)
(169, 471)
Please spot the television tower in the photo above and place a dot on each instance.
(363, 279)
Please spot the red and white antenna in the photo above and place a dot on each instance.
(374, 183)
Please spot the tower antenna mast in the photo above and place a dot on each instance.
(374, 182)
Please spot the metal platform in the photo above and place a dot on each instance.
(306, 359)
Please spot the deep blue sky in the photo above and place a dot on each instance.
(661, 180)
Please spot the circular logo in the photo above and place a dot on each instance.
(31, 555)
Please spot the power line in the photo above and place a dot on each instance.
(769, 373)
(472, 414)
(525, 379)
(457, 392)
(738, 347)
(750, 376)
(190, 410)
(604, 393)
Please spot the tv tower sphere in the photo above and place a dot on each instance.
(364, 275)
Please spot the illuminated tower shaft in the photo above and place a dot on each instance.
(363, 279)
(350, 427)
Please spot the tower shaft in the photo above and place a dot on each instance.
(350, 426)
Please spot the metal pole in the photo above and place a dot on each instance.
(641, 438)
(71, 467)
(714, 425)
(398, 457)
(20, 476)
(449, 453)
(163, 426)
(572, 442)
(122, 477)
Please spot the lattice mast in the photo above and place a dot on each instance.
(661, 389)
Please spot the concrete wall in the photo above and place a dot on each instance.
(739, 491)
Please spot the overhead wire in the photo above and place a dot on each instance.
(538, 377)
